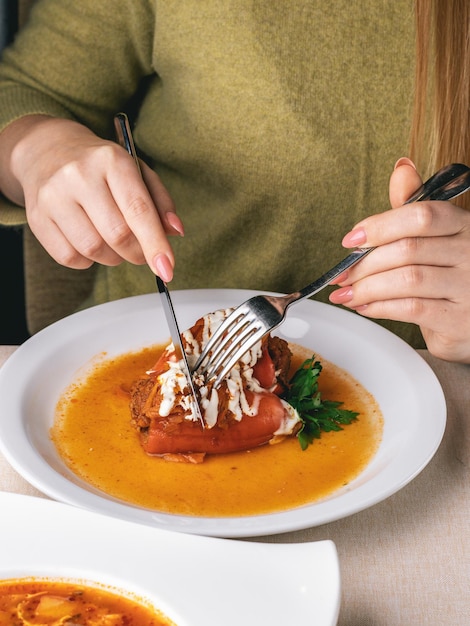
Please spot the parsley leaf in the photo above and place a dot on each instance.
(316, 414)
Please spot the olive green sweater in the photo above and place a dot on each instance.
(274, 125)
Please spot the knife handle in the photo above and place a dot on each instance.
(124, 135)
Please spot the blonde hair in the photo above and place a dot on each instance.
(441, 116)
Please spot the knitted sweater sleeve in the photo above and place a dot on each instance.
(79, 60)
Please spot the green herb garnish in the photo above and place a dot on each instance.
(316, 414)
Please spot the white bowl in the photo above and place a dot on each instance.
(408, 392)
(195, 581)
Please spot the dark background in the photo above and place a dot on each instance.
(13, 328)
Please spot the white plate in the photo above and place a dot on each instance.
(408, 392)
(195, 581)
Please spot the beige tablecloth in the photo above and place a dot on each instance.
(405, 561)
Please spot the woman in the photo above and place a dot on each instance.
(272, 128)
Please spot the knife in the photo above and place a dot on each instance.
(124, 135)
(178, 344)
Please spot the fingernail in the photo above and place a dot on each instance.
(163, 267)
(404, 161)
(343, 295)
(175, 222)
(355, 238)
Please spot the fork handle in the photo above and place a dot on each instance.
(449, 182)
(354, 257)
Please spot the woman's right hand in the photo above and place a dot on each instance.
(85, 199)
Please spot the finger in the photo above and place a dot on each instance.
(433, 316)
(420, 219)
(434, 251)
(84, 237)
(404, 181)
(444, 324)
(68, 233)
(59, 247)
(435, 313)
(99, 230)
(413, 281)
(163, 201)
(142, 218)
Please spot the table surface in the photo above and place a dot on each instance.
(406, 560)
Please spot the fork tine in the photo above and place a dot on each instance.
(215, 343)
(210, 345)
(231, 361)
(239, 329)
(226, 348)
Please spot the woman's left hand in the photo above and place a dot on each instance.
(420, 272)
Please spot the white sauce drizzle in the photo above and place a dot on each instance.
(291, 419)
(240, 378)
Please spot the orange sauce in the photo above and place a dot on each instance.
(93, 435)
(46, 601)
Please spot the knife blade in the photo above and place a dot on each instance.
(178, 344)
(125, 139)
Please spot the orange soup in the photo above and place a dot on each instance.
(25, 602)
(93, 435)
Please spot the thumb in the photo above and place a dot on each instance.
(404, 181)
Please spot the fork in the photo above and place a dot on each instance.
(261, 314)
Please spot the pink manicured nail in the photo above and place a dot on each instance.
(343, 295)
(175, 222)
(356, 237)
(404, 161)
(164, 267)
